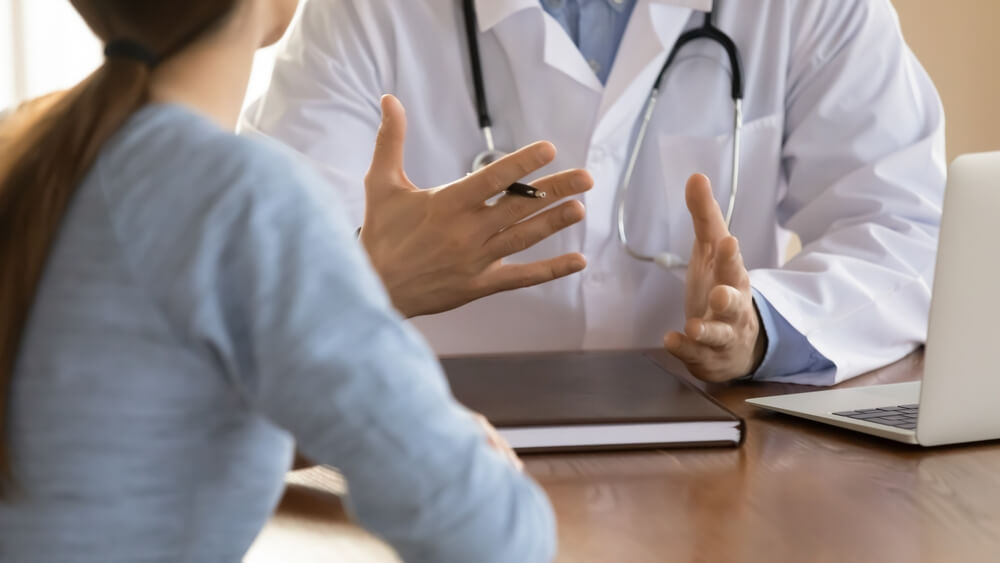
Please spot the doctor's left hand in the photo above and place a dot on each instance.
(723, 338)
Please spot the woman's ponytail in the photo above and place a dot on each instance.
(48, 146)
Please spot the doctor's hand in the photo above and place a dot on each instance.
(440, 248)
(723, 338)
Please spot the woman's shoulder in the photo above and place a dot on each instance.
(169, 156)
(168, 148)
(170, 171)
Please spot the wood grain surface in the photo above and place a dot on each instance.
(795, 491)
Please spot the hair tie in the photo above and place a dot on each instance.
(128, 49)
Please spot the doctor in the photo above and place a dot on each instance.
(839, 137)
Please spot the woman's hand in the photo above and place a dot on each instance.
(440, 248)
(498, 442)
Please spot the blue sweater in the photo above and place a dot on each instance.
(204, 311)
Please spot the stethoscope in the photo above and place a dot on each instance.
(709, 31)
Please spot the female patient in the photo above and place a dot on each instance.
(183, 307)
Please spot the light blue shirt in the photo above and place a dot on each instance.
(788, 350)
(205, 310)
(597, 27)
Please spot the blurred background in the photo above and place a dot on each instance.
(44, 46)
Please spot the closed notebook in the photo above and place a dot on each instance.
(589, 401)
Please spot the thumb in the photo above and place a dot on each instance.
(706, 216)
(386, 170)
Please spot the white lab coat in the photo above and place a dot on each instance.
(843, 144)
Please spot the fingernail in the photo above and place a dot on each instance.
(571, 213)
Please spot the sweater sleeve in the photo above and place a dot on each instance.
(259, 269)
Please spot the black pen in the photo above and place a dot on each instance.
(525, 190)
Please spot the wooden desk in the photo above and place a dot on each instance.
(796, 491)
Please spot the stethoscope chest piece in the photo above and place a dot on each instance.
(485, 159)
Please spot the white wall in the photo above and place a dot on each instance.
(6, 53)
(58, 50)
(958, 43)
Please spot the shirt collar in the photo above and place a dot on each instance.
(617, 5)
(491, 12)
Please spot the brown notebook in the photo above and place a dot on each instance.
(589, 401)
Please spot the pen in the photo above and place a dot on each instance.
(525, 190)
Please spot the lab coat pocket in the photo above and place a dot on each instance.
(760, 182)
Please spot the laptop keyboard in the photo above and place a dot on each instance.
(903, 416)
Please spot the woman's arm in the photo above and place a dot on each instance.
(255, 263)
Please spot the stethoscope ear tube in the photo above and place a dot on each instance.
(491, 154)
(472, 37)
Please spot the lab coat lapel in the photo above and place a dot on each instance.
(652, 31)
(559, 51)
(491, 12)
(562, 54)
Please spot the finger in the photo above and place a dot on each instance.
(498, 442)
(709, 224)
(481, 420)
(480, 186)
(492, 436)
(511, 208)
(729, 267)
(516, 276)
(564, 184)
(508, 451)
(710, 333)
(518, 464)
(531, 231)
(387, 159)
(725, 304)
(686, 349)
(699, 359)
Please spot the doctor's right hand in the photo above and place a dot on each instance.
(440, 248)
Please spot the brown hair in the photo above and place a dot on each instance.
(47, 147)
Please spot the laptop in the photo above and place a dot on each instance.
(957, 399)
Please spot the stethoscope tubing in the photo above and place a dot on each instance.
(707, 31)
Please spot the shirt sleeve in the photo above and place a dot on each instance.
(257, 268)
(788, 351)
